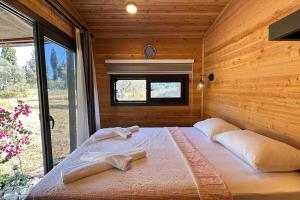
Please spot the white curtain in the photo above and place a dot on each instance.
(82, 125)
(96, 100)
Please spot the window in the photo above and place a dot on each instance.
(165, 90)
(149, 89)
(130, 90)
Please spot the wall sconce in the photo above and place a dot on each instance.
(201, 84)
(211, 77)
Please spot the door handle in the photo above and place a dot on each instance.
(51, 119)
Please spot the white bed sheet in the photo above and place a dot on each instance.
(244, 182)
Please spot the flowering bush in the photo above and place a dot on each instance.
(13, 136)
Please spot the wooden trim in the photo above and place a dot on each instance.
(217, 19)
(17, 40)
(152, 72)
(156, 61)
(57, 6)
(202, 69)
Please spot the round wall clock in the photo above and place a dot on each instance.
(149, 51)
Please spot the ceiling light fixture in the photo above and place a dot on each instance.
(131, 8)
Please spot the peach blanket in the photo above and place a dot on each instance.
(164, 174)
(210, 185)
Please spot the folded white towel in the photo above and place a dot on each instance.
(133, 129)
(104, 134)
(100, 156)
(125, 133)
(119, 161)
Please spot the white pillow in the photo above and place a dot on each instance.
(213, 126)
(260, 152)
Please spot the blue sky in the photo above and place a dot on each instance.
(23, 53)
(60, 53)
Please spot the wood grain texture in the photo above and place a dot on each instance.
(72, 11)
(13, 28)
(147, 115)
(45, 12)
(257, 82)
(154, 19)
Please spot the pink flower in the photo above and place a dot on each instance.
(26, 110)
(25, 140)
(2, 111)
(3, 135)
(13, 135)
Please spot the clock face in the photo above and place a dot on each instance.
(149, 51)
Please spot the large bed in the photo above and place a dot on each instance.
(166, 173)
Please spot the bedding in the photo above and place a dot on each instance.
(213, 126)
(210, 184)
(260, 152)
(101, 164)
(243, 182)
(165, 173)
(107, 133)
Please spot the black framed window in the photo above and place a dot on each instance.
(149, 89)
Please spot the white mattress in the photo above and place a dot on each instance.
(244, 182)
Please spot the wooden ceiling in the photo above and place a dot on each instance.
(154, 19)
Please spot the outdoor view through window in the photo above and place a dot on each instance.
(166, 90)
(21, 153)
(131, 90)
(136, 90)
(21, 158)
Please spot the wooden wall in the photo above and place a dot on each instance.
(257, 82)
(147, 115)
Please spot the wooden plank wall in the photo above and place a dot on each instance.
(257, 82)
(147, 115)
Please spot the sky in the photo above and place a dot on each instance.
(23, 54)
(60, 53)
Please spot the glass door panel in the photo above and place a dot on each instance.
(21, 146)
(61, 77)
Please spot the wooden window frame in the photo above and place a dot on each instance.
(151, 78)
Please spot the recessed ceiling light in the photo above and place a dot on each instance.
(131, 8)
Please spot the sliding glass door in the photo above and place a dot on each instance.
(60, 69)
(38, 107)
(58, 92)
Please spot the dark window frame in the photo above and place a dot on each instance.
(41, 28)
(151, 78)
(41, 32)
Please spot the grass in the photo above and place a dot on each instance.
(32, 156)
(60, 138)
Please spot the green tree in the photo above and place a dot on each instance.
(62, 74)
(12, 80)
(9, 54)
(30, 70)
(54, 63)
(62, 71)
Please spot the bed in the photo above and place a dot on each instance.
(167, 173)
